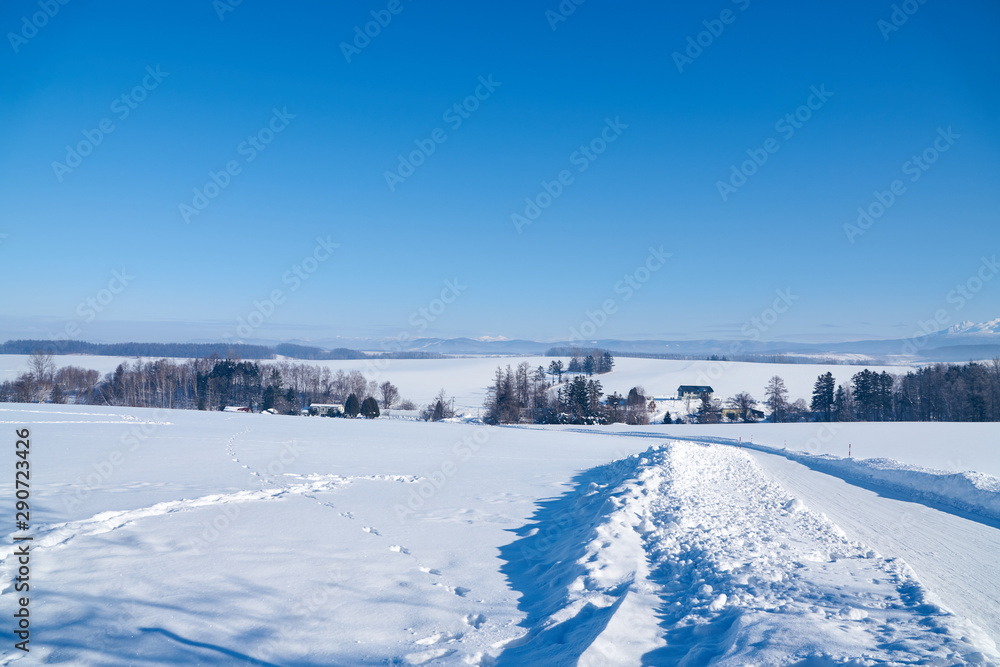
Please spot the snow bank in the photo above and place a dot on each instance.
(973, 492)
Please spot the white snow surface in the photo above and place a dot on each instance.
(179, 537)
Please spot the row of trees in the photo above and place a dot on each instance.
(204, 384)
(941, 392)
(595, 362)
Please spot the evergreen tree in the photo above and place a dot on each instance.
(268, 398)
(441, 408)
(709, 411)
(883, 384)
(607, 362)
(369, 408)
(615, 402)
(823, 396)
(556, 370)
(291, 401)
(589, 365)
(594, 393)
(777, 398)
(352, 408)
(57, 395)
(842, 404)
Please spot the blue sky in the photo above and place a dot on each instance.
(329, 127)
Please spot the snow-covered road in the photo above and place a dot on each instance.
(954, 556)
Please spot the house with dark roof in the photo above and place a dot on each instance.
(693, 391)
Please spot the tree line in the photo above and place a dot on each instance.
(212, 384)
(198, 350)
(940, 392)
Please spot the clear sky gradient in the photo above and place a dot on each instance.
(663, 130)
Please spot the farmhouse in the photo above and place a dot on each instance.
(693, 391)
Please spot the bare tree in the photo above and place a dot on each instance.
(389, 394)
(42, 370)
(744, 404)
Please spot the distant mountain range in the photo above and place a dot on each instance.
(961, 342)
(971, 329)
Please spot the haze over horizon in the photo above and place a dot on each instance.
(503, 170)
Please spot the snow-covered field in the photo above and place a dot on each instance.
(181, 537)
(466, 378)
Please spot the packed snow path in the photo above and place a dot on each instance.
(690, 555)
(954, 555)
